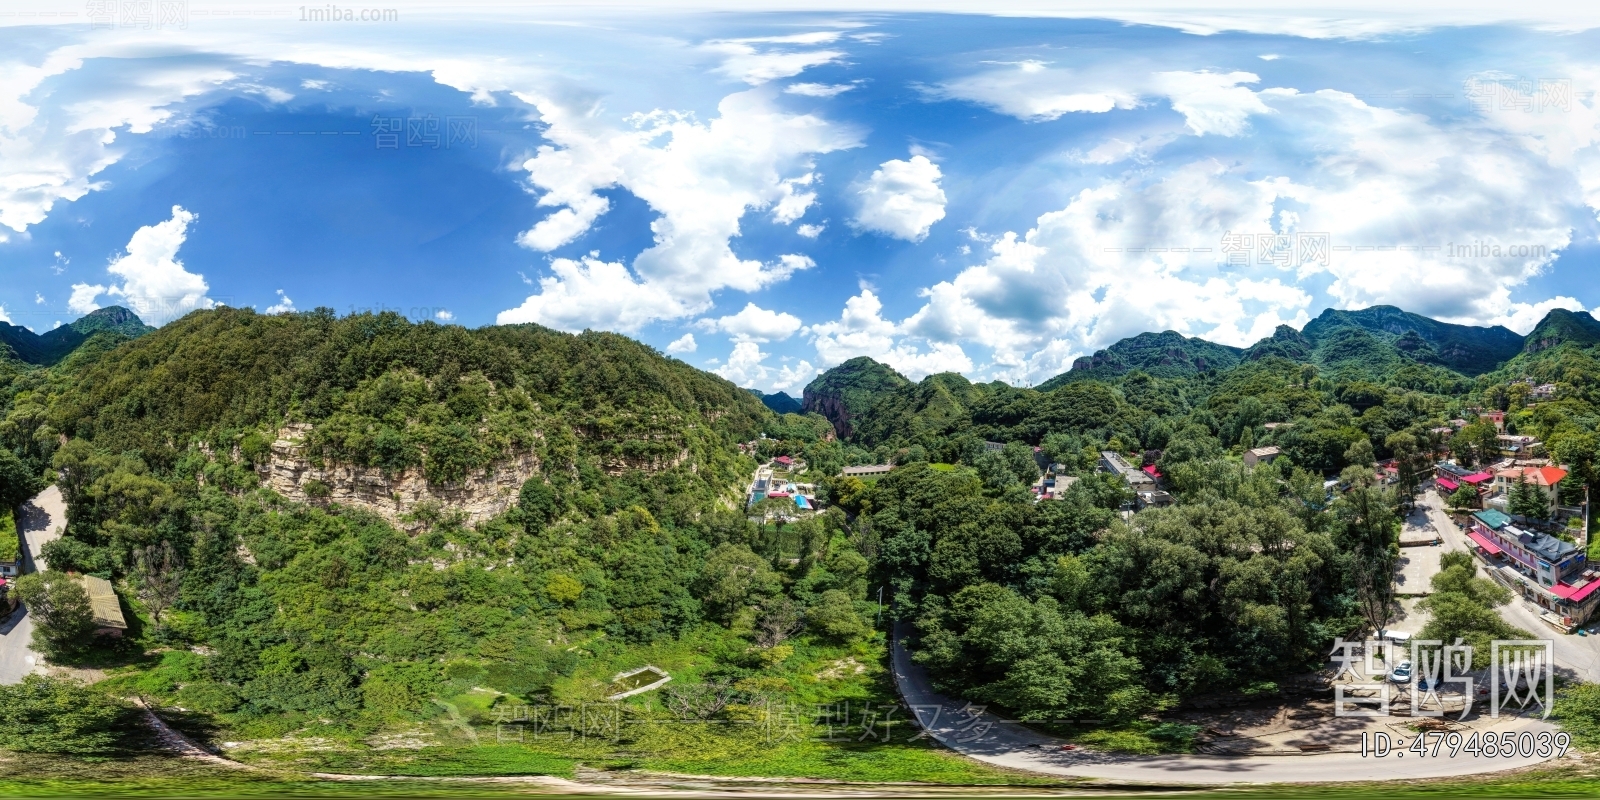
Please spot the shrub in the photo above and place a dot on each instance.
(51, 715)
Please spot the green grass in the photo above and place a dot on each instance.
(10, 548)
(438, 762)
(899, 763)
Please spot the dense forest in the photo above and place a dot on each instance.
(633, 531)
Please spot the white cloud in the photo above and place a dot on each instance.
(818, 89)
(1108, 264)
(1269, 56)
(1524, 317)
(683, 344)
(38, 298)
(861, 330)
(744, 365)
(591, 293)
(154, 283)
(757, 324)
(283, 306)
(902, 199)
(52, 153)
(314, 85)
(810, 231)
(1030, 90)
(1211, 102)
(3, 316)
(794, 377)
(83, 297)
(443, 315)
(701, 178)
(760, 60)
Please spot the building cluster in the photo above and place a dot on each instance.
(1053, 483)
(1144, 481)
(1549, 571)
(1494, 484)
(775, 480)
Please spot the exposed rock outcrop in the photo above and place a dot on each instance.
(392, 496)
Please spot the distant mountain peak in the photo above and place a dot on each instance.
(52, 346)
(1561, 326)
(1164, 354)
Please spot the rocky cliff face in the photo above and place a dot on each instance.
(392, 496)
(829, 406)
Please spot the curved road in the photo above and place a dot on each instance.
(989, 738)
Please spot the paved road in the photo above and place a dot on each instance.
(1581, 654)
(43, 519)
(986, 737)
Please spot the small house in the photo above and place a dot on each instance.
(868, 471)
(108, 619)
(1261, 455)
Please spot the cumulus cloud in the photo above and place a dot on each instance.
(810, 231)
(3, 316)
(284, 305)
(443, 315)
(1031, 90)
(861, 330)
(1524, 317)
(590, 293)
(154, 284)
(757, 324)
(1125, 256)
(902, 199)
(52, 153)
(759, 60)
(1210, 102)
(683, 344)
(746, 366)
(701, 178)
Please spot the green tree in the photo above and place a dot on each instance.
(63, 620)
(1463, 606)
(835, 617)
(17, 481)
(1526, 500)
(1465, 497)
(54, 715)
(735, 578)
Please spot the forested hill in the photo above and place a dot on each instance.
(1560, 327)
(846, 391)
(1165, 355)
(380, 391)
(1370, 343)
(57, 344)
(1467, 349)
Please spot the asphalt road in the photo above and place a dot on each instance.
(986, 737)
(42, 520)
(1580, 654)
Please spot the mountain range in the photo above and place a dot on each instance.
(1371, 343)
(1378, 337)
(49, 348)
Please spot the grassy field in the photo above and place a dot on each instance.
(157, 776)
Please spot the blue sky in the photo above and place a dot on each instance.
(767, 195)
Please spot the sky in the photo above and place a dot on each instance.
(766, 195)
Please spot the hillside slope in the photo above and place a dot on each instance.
(1164, 355)
(1467, 349)
(848, 390)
